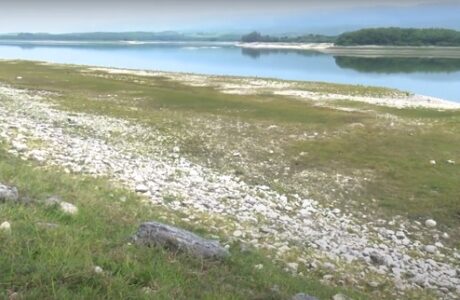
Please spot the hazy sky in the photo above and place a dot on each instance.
(220, 15)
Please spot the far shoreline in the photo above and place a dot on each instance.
(365, 50)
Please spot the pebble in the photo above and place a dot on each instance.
(141, 188)
(237, 233)
(293, 266)
(68, 208)
(259, 267)
(5, 227)
(430, 248)
(340, 297)
(98, 270)
(430, 223)
(433, 162)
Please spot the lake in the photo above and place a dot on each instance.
(437, 77)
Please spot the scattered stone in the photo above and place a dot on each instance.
(176, 149)
(98, 270)
(293, 266)
(451, 162)
(373, 284)
(340, 297)
(18, 77)
(237, 233)
(336, 211)
(329, 266)
(53, 201)
(18, 146)
(430, 223)
(328, 277)
(377, 258)
(259, 267)
(141, 188)
(5, 227)
(445, 235)
(302, 296)
(430, 248)
(47, 225)
(157, 234)
(8, 193)
(400, 235)
(68, 208)
(432, 162)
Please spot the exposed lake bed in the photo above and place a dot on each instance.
(280, 173)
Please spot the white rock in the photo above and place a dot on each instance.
(293, 266)
(340, 297)
(430, 223)
(5, 227)
(18, 146)
(98, 270)
(68, 208)
(237, 233)
(445, 235)
(176, 149)
(451, 162)
(400, 235)
(336, 211)
(259, 267)
(141, 188)
(430, 248)
(433, 162)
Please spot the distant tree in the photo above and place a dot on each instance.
(400, 37)
(256, 37)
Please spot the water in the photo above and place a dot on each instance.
(428, 76)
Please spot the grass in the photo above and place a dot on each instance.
(58, 263)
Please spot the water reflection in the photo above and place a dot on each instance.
(257, 53)
(394, 65)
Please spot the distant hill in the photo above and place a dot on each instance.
(400, 37)
(121, 36)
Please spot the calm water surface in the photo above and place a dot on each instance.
(427, 76)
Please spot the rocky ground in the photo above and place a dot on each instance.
(299, 232)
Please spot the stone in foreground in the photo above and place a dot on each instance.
(8, 193)
(157, 234)
(302, 296)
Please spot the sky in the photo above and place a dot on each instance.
(270, 16)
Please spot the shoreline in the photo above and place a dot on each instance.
(361, 51)
(293, 89)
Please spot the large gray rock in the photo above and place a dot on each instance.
(8, 193)
(157, 234)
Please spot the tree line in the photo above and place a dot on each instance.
(257, 37)
(374, 36)
(400, 37)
